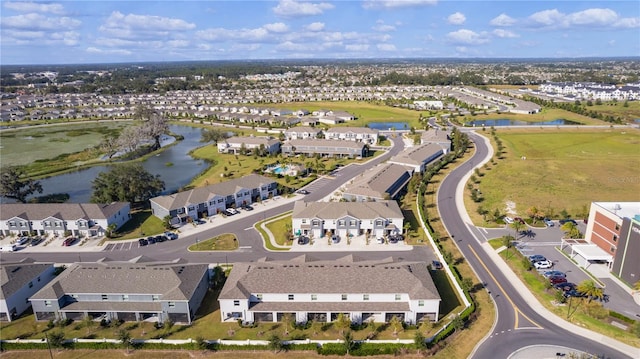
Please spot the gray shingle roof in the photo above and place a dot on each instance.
(14, 276)
(203, 194)
(335, 210)
(257, 140)
(64, 211)
(376, 182)
(171, 282)
(342, 277)
(319, 142)
(352, 129)
(330, 306)
(416, 155)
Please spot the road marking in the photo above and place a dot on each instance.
(248, 228)
(244, 247)
(516, 310)
(484, 230)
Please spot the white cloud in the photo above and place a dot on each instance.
(296, 8)
(57, 9)
(357, 47)
(243, 35)
(33, 21)
(593, 18)
(69, 38)
(95, 50)
(382, 27)
(457, 18)
(277, 27)
(389, 4)
(504, 33)
(467, 37)
(628, 23)
(291, 46)
(386, 47)
(178, 43)
(502, 20)
(133, 26)
(244, 47)
(315, 26)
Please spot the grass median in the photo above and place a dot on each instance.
(223, 242)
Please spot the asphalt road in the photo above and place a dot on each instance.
(517, 324)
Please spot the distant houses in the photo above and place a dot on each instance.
(249, 145)
(212, 199)
(357, 134)
(329, 148)
(78, 219)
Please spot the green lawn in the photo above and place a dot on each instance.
(142, 223)
(547, 114)
(280, 230)
(563, 170)
(223, 242)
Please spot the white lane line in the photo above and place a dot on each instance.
(248, 228)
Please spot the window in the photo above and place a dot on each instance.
(259, 296)
(316, 223)
(211, 203)
(352, 223)
(617, 227)
(341, 222)
(314, 297)
(615, 238)
(344, 297)
(612, 249)
(304, 221)
(291, 296)
(30, 284)
(421, 303)
(180, 211)
(47, 303)
(236, 303)
(125, 297)
(365, 297)
(379, 222)
(105, 297)
(398, 297)
(173, 304)
(155, 298)
(38, 279)
(191, 208)
(220, 200)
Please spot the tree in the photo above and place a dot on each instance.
(347, 340)
(155, 125)
(571, 230)
(124, 337)
(507, 241)
(275, 343)
(517, 227)
(13, 184)
(419, 340)
(213, 135)
(128, 139)
(56, 339)
(395, 324)
(457, 322)
(535, 214)
(590, 289)
(343, 322)
(126, 182)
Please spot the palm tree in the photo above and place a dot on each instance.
(343, 322)
(590, 289)
(396, 324)
(571, 230)
(517, 226)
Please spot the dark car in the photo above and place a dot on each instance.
(436, 265)
(537, 258)
(573, 293)
(557, 279)
(69, 241)
(151, 240)
(551, 273)
(160, 239)
(247, 207)
(303, 191)
(303, 240)
(565, 286)
(566, 220)
(142, 242)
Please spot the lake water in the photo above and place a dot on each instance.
(507, 122)
(385, 126)
(184, 169)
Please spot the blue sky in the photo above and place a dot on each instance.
(89, 31)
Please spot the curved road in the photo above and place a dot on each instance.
(517, 324)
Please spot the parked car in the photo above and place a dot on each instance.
(303, 191)
(142, 242)
(160, 239)
(519, 220)
(335, 239)
(35, 241)
(23, 240)
(537, 258)
(69, 241)
(573, 293)
(507, 220)
(436, 265)
(151, 240)
(172, 236)
(551, 273)
(247, 207)
(231, 211)
(398, 237)
(380, 240)
(543, 264)
(557, 279)
(565, 286)
(302, 240)
(393, 240)
(563, 221)
(548, 222)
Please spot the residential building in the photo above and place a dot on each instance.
(418, 157)
(322, 147)
(437, 136)
(135, 290)
(385, 181)
(209, 200)
(81, 219)
(19, 281)
(373, 219)
(237, 144)
(614, 228)
(365, 291)
(365, 135)
(301, 133)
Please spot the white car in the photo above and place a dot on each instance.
(507, 220)
(546, 264)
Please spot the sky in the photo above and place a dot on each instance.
(73, 32)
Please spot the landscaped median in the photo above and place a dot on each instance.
(223, 242)
(275, 232)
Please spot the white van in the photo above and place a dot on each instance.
(9, 248)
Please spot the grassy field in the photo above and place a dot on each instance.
(25, 146)
(142, 223)
(280, 230)
(547, 114)
(563, 170)
(629, 113)
(223, 242)
(180, 354)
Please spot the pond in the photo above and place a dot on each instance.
(507, 122)
(388, 126)
(182, 170)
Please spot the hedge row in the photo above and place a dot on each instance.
(364, 349)
(4, 346)
(621, 317)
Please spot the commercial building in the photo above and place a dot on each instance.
(19, 281)
(305, 290)
(614, 228)
(209, 200)
(373, 219)
(131, 291)
(86, 219)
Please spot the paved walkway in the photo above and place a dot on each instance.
(547, 352)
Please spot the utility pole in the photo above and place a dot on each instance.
(48, 345)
